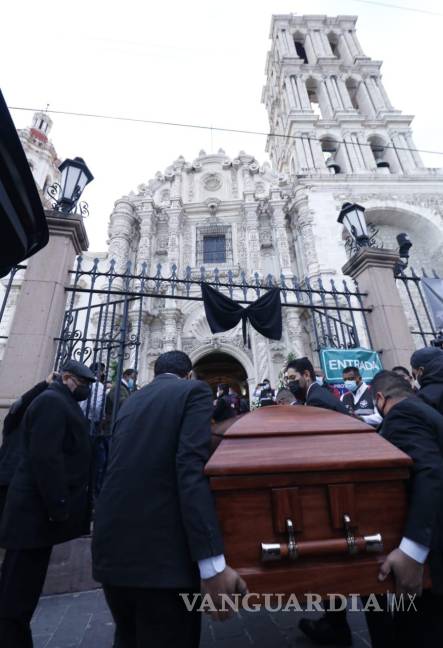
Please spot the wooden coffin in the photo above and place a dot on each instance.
(302, 494)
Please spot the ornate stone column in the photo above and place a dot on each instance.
(406, 160)
(121, 232)
(325, 99)
(290, 93)
(172, 323)
(415, 154)
(374, 270)
(280, 236)
(366, 152)
(303, 93)
(30, 350)
(147, 214)
(250, 214)
(175, 219)
(306, 233)
(344, 94)
(294, 331)
(295, 93)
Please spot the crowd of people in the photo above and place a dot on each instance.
(155, 532)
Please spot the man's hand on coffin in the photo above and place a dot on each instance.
(407, 572)
(227, 582)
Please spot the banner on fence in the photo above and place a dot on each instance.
(334, 361)
(433, 289)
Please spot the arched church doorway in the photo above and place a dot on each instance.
(216, 368)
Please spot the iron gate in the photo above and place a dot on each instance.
(104, 315)
(417, 310)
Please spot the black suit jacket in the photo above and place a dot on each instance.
(52, 478)
(432, 395)
(320, 397)
(155, 516)
(417, 429)
(11, 446)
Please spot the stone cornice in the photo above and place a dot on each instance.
(68, 225)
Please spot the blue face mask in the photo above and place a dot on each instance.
(351, 385)
(130, 382)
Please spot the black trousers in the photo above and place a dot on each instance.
(21, 583)
(152, 618)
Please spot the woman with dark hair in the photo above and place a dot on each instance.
(223, 409)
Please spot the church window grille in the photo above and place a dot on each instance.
(214, 245)
(214, 249)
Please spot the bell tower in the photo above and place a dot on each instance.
(328, 110)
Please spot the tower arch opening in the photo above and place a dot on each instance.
(299, 43)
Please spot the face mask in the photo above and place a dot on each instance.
(296, 389)
(416, 384)
(351, 385)
(81, 392)
(130, 383)
(320, 380)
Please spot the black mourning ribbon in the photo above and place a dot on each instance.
(223, 313)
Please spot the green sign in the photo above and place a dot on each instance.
(334, 361)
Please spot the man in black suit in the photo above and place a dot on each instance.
(156, 533)
(305, 388)
(10, 450)
(417, 429)
(48, 498)
(427, 369)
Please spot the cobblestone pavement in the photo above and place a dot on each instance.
(83, 621)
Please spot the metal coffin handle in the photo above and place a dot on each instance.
(292, 550)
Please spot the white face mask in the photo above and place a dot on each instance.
(416, 384)
(351, 385)
(319, 380)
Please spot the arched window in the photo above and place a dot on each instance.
(299, 42)
(352, 88)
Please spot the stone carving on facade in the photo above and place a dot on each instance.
(265, 237)
(234, 183)
(212, 181)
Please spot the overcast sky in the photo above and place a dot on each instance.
(199, 62)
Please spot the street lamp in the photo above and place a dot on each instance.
(352, 216)
(75, 175)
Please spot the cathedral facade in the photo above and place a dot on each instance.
(335, 137)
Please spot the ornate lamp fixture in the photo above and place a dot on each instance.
(75, 175)
(352, 216)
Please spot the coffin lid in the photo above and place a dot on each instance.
(258, 454)
(282, 420)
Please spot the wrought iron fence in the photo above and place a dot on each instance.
(417, 309)
(105, 323)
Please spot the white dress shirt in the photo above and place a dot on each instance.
(414, 550)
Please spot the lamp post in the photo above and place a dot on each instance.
(75, 175)
(352, 216)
